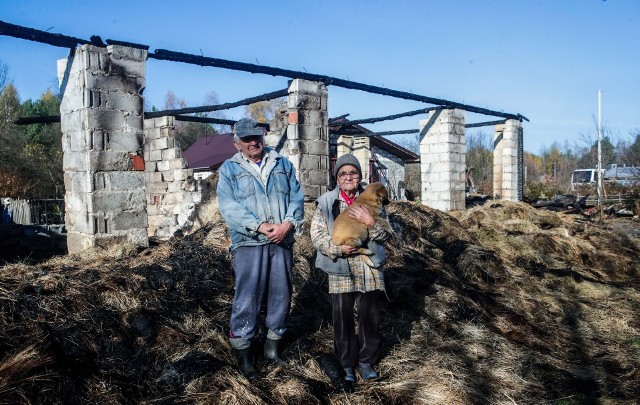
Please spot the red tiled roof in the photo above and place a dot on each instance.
(210, 151)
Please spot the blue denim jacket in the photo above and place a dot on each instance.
(245, 204)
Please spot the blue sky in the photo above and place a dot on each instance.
(544, 59)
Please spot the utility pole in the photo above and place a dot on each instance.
(600, 153)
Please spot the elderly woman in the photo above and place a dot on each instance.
(351, 281)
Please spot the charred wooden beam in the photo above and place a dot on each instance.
(484, 124)
(49, 119)
(396, 116)
(163, 54)
(56, 118)
(127, 44)
(97, 41)
(365, 133)
(347, 131)
(45, 37)
(218, 107)
(339, 117)
(189, 118)
(207, 120)
(404, 131)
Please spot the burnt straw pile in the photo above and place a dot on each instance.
(501, 303)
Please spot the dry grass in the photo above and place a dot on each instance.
(499, 304)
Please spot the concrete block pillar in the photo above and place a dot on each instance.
(344, 145)
(172, 191)
(362, 151)
(507, 178)
(442, 159)
(101, 122)
(308, 135)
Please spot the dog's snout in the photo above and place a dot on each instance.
(385, 201)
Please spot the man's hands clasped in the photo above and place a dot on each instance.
(275, 232)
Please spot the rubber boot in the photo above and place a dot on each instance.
(271, 351)
(245, 363)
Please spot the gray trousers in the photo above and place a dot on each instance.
(263, 276)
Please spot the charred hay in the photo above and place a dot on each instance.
(499, 303)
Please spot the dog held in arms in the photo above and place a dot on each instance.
(348, 231)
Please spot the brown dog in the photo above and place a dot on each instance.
(348, 231)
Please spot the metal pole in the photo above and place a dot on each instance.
(600, 152)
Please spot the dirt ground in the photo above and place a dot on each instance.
(500, 303)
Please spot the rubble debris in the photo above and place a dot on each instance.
(500, 287)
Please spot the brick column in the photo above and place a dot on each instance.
(172, 192)
(308, 135)
(101, 122)
(442, 159)
(506, 142)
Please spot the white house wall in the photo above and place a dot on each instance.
(394, 172)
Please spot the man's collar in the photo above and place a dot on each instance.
(264, 154)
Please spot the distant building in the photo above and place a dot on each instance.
(207, 154)
(627, 176)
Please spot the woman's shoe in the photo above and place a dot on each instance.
(349, 375)
(367, 372)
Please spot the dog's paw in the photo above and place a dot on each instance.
(363, 251)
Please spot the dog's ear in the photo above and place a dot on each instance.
(383, 195)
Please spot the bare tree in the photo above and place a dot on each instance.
(4, 75)
(480, 160)
(211, 98)
(263, 111)
(187, 133)
(412, 175)
(411, 142)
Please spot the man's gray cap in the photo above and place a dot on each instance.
(247, 127)
(347, 159)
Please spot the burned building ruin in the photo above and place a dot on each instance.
(126, 179)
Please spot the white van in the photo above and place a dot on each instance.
(581, 178)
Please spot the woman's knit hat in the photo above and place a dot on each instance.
(344, 160)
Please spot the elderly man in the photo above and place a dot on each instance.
(262, 202)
